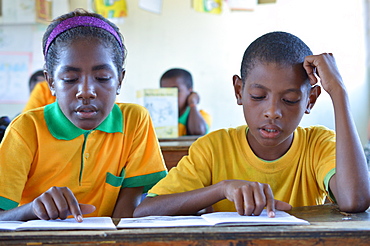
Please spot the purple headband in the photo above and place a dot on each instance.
(80, 21)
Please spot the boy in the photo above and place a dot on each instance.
(36, 78)
(248, 167)
(191, 121)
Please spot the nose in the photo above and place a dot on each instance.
(273, 110)
(86, 90)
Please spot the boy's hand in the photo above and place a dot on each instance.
(251, 197)
(59, 202)
(324, 66)
(193, 98)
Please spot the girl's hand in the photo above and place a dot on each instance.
(59, 202)
(324, 67)
(251, 197)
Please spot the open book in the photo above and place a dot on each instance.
(211, 219)
(106, 223)
(89, 223)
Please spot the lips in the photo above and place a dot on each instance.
(86, 112)
(270, 131)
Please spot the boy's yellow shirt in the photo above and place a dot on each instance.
(297, 178)
(42, 148)
(40, 96)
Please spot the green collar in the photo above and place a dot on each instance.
(62, 128)
(184, 117)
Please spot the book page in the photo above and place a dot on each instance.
(281, 218)
(162, 221)
(9, 225)
(89, 223)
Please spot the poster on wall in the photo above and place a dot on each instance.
(18, 11)
(14, 75)
(110, 9)
(208, 6)
(154, 6)
(43, 11)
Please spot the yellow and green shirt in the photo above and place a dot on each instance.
(42, 148)
(40, 96)
(300, 177)
(183, 121)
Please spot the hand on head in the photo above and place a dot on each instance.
(324, 66)
(193, 98)
(59, 202)
(252, 197)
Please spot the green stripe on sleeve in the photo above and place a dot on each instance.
(148, 181)
(7, 204)
(151, 195)
(113, 180)
(326, 183)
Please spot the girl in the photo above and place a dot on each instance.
(83, 154)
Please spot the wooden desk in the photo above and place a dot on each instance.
(328, 227)
(174, 150)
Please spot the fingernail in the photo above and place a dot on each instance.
(271, 214)
(79, 218)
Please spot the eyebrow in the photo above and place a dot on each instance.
(102, 67)
(65, 69)
(259, 86)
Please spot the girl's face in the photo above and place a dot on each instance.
(85, 83)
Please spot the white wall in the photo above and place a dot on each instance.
(211, 48)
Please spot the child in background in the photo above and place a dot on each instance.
(191, 120)
(36, 78)
(83, 154)
(272, 162)
(40, 96)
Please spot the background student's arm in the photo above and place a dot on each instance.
(249, 198)
(127, 201)
(196, 125)
(57, 202)
(350, 185)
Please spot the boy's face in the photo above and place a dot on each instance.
(274, 99)
(85, 83)
(183, 91)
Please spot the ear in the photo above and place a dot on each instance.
(120, 79)
(50, 81)
(314, 94)
(238, 89)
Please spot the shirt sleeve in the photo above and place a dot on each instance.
(192, 172)
(16, 156)
(207, 118)
(39, 97)
(145, 165)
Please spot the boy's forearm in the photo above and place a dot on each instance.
(185, 203)
(196, 124)
(350, 184)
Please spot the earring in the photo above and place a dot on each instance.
(308, 111)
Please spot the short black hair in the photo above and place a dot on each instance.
(118, 53)
(33, 78)
(179, 72)
(275, 47)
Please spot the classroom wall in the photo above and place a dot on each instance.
(211, 48)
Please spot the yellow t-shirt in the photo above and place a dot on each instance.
(42, 148)
(297, 177)
(40, 96)
(183, 120)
